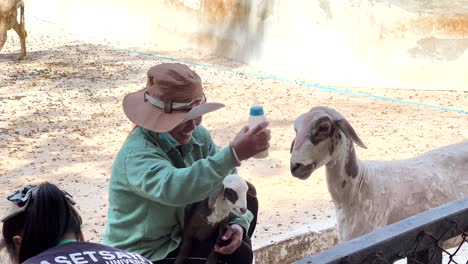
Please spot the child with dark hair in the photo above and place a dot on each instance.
(42, 226)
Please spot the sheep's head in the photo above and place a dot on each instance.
(317, 137)
(233, 195)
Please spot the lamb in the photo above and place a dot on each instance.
(211, 216)
(371, 194)
(8, 20)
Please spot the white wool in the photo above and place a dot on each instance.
(220, 212)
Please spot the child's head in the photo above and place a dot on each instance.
(38, 219)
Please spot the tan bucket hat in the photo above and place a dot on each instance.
(173, 94)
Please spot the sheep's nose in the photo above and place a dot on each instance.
(302, 171)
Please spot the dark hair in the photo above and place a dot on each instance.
(43, 224)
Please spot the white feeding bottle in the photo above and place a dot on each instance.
(256, 117)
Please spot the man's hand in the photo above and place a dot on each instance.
(248, 143)
(234, 234)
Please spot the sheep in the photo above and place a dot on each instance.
(211, 216)
(371, 194)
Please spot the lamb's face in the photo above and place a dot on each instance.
(235, 193)
(313, 145)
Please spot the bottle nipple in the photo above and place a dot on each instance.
(256, 103)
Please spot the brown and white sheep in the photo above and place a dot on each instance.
(371, 194)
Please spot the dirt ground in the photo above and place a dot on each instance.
(61, 121)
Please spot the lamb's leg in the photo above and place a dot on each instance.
(213, 256)
(184, 250)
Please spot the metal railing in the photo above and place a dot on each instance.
(419, 239)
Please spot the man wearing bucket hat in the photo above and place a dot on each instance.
(169, 162)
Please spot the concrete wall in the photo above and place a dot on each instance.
(297, 244)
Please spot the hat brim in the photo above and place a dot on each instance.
(143, 114)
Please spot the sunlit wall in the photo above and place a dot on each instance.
(373, 43)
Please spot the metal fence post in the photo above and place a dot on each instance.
(418, 238)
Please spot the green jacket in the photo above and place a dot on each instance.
(152, 185)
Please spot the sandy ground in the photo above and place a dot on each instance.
(61, 121)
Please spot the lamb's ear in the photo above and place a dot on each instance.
(252, 191)
(348, 130)
(214, 196)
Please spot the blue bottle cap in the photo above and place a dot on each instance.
(256, 111)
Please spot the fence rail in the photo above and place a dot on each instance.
(418, 238)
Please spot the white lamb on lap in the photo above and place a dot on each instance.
(210, 217)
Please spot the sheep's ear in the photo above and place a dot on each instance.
(298, 122)
(252, 191)
(348, 130)
(214, 196)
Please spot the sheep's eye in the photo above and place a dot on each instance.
(323, 128)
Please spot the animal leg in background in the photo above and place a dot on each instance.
(3, 36)
(8, 20)
(21, 31)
